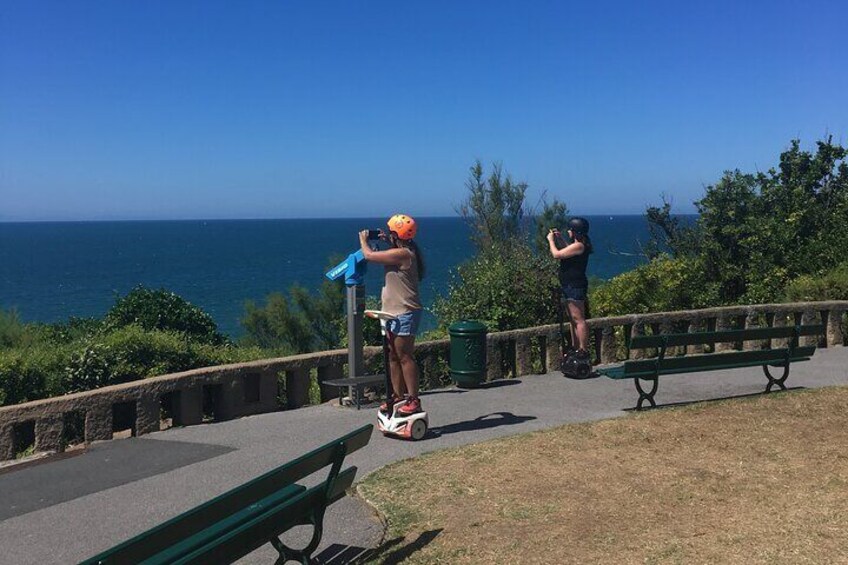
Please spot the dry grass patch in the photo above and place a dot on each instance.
(761, 480)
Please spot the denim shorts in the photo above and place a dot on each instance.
(575, 293)
(405, 324)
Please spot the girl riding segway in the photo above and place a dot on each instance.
(574, 258)
(404, 268)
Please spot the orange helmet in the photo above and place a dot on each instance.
(404, 226)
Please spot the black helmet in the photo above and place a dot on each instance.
(579, 226)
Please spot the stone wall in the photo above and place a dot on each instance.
(231, 391)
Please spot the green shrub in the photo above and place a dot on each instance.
(162, 310)
(132, 353)
(301, 322)
(75, 329)
(664, 284)
(832, 286)
(12, 331)
(505, 287)
(31, 373)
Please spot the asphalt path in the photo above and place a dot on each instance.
(67, 509)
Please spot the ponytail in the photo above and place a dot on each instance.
(418, 258)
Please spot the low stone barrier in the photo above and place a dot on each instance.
(232, 391)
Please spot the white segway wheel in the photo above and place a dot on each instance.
(419, 429)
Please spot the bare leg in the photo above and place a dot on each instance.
(405, 346)
(396, 370)
(580, 330)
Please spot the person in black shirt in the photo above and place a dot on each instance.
(573, 259)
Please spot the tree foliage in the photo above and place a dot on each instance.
(494, 208)
(300, 322)
(509, 281)
(758, 232)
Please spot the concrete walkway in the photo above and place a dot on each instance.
(69, 509)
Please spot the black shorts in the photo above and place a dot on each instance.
(574, 293)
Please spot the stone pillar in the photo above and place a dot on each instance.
(752, 321)
(780, 321)
(231, 402)
(835, 336)
(523, 356)
(297, 388)
(98, 423)
(7, 442)
(494, 360)
(638, 329)
(553, 354)
(608, 345)
(48, 433)
(696, 325)
(667, 327)
(147, 414)
(188, 409)
(810, 318)
(723, 324)
(329, 373)
(427, 371)
(269, 391)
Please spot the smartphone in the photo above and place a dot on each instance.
(374, 234)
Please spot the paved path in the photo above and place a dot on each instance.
(66, 510)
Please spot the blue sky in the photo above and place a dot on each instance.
(201, 109)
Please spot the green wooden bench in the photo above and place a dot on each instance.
(650, 369)
(251, 515)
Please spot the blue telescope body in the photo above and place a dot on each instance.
(353, 269)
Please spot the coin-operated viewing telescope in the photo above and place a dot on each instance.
(353, 269)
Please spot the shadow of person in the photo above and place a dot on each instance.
(492, 420)
(337, 554)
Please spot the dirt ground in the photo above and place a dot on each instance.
(759, 480)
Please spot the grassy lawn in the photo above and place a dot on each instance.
(756, 480)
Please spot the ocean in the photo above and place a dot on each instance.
(53, 270)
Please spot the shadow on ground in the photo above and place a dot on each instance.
(388, 553)
(492, 420)
(709, 400)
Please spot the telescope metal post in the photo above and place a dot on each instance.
(355, 314)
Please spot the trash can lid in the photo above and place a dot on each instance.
(467, 326)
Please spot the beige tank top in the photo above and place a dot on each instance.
(400, 292)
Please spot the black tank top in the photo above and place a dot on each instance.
(572, 271)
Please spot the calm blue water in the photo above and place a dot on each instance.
(50, 271)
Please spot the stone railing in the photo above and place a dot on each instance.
(231, 391)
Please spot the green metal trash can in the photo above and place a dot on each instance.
(467, 353)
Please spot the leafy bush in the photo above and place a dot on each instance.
(832, 286)
(163, 310)
(505, 287)
(132, 353)
(664, 284)
(300, 322)
(31, 373)
(74, 330)
(12, 331)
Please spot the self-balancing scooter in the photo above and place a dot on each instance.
(391, 422)
(572, 367)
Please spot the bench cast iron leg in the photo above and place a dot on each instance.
(288, 554)
(776, 382)
(649, 396)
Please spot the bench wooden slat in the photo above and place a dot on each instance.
(714, 360)
(191, 522)
(694, 363)
(203, 537)
(724, 336)
(254, 534)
